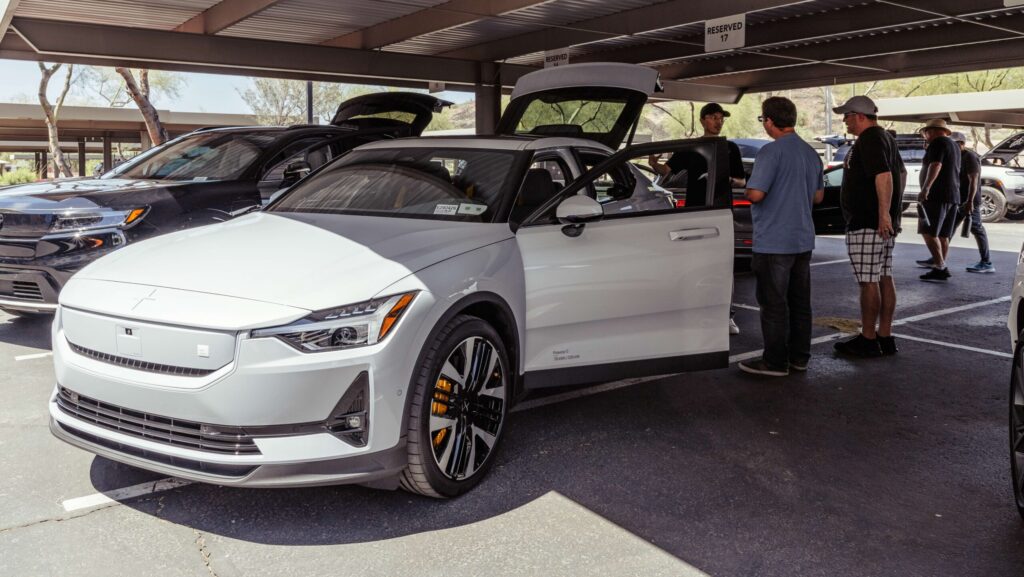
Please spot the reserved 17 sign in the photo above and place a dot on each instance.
(725, 33)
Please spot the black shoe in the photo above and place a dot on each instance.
(888, 346)
(859, 346)
(936, 275)
(798, 365)
(759, 367)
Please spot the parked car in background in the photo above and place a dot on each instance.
(375, 323)
(1015, 323)
(1002, 180)
(49, 230)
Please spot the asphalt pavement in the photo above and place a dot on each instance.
(894, 466)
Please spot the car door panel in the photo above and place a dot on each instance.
(634, 294)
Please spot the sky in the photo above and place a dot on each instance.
(19, 82)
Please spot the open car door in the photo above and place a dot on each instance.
(620, 281)
(1006, 151)
(599, 101)
(389, 114)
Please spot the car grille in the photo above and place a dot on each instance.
(19, 289)
(174, 432)
(139, 365)
(218, 469)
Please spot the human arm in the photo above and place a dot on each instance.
(755, 196)
(974, 178)
(883, 187)
(763, 177)
(931, 173)
(737, 174)
(657, 166)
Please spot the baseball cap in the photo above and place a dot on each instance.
(858, 104)
(713, 108)
(959, 137)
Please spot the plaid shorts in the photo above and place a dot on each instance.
(870, 254)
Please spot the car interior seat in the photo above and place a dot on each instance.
(538, 188)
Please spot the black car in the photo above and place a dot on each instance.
(49, 230)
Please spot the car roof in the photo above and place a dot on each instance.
(273, 129)
(486, 143)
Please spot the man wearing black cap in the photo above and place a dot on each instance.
(712, 117)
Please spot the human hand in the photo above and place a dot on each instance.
(885, 229)
(922, 196)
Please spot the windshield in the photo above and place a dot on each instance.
(203, 156)
(429, 183)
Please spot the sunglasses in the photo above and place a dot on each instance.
(761, 119)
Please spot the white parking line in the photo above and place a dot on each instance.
(117, 495)
(955, 346)
(830, 262)
(747, 307)
(33, 356)
(944, 312)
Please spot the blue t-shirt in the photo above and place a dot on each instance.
(789, 172)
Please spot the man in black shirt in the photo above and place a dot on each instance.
(712, 118)
(873, 180)
(970, 184)
(939, 196)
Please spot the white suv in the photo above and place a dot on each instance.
(1015, 322)
(375, 324)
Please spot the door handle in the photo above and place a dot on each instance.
(693, 233)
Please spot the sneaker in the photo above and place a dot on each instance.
(759, 367)
(926, 263)
(734, 329)
(982, 267)
(936, 275)
(888, 345)
(859, 346)
(798, 365)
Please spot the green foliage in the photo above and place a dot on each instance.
(277, 102)
(19, 176)
(103, 86)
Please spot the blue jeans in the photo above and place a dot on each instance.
(784, 295)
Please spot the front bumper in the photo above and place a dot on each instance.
(269, 388)
(29, 289)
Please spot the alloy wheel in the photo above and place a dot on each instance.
(988, 206)
(1017, 428)
(467, 408)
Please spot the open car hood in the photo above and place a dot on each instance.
(1006, 150)
(397, 114)
(598, 101)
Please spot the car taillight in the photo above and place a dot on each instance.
(680, 203)
(740, 202)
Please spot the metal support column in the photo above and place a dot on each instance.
(108, 156)
(43, 165)
(309, 102)
(81, 157)
(488, 98)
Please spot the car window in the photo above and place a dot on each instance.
(834, 177)
(317, 153)
(294, 151)
(203, 156)
(415, 182)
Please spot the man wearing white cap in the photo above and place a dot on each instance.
(873, 180)
(939, 196)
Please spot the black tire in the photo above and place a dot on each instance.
(475, 415)
(993, 204)
(27, 314)
(1017, 426)
(1014, 214)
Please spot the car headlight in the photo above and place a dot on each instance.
(81, 221)
(356, 325)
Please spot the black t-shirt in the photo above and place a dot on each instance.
(946, 187)
(696, 168)
(970, 164)
(873, 153)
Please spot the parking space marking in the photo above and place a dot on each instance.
(954, 346)
(943, 312)
(747, 307)
(33, 356)
(830, 262)
(118, 495)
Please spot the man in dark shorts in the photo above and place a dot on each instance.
(873, 181)
(970, 186)
(939, 196)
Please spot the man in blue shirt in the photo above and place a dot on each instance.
(787, 181)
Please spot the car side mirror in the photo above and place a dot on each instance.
(294, 172)
(575, 211)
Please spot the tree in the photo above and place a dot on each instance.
(140, 94)
(278, 102)
(100, 85)
(51, 113)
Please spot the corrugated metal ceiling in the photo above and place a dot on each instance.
(155, 14)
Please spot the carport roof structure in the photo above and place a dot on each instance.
(997, 108)
(473, 43)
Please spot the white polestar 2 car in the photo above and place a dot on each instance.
(376, 322)
(1015, 322)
